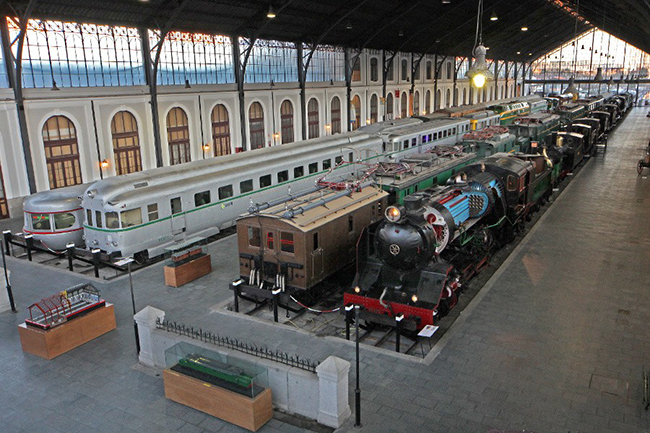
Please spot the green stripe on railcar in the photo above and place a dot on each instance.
(216, 369)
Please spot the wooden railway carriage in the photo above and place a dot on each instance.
(298, 243)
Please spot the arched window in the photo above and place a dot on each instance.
(416, 73)
(427, 102)
(220, 130)
(61, 152)
(356, 112)
(449, 71)
(416, 103)
(429, 75)
(405, 70)
(4, 208)
(126, 144)
(286, 121)
(374, 102)
(178, 136)
(356, 70)
(404, 105)
(336, 115)
(374, 69)
(389, 71)
(455, 97)
(256, 125)
(448, 99)
(389, 107)
(312, 116)
(438, 97)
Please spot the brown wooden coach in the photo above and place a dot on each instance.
(299, 243)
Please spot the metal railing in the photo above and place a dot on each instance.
(239, 345)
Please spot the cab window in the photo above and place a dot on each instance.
(286, 242)
(112, 221)
(269, 241)
(131, 217)
(64, 220)
(98, 219)
(89, 217)
(41, 221)
(254, 236)
(512, 183)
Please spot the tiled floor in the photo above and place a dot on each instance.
(555, 342)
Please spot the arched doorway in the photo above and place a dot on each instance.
(178, 136)
(61, 152)
(286, 122)
(312, 118)
(356, 112)
(256, 125)
(404, 105)
(427, 102)
(126, 144)
(374, 103)
(220, 130)
(335, 113)
(416, 103)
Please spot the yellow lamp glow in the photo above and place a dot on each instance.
(479, 80)
(393, 214)
(104, 164)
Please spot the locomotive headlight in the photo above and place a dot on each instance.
(393, 214)
(357, 289)
(414, 298)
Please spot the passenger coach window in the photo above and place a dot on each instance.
(406, 144)
(175, 205)
(414, 142)
(298, 172)
(313, 167)
(286, 242)
(201, 198)
(225, 192)
(338, 160)
(89, 217)
(453, 131)
(63, 220)
(98, 219)
(283, 176)
(131, 217)
(41, 221)
(112, 221)
(435, 135)
(253, 236)
(327, 164)
(265, 181)
(152, 211)
(246, 186)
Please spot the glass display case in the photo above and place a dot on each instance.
(185, 252)
(242, 377)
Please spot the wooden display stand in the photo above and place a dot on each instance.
(56, 341)
(246, 412)
(190, 271)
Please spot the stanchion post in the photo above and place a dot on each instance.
(357, 390)
(10, 293)
(96, 260)
(275, 293)
(398, 330)
(127, 262)
(29, 243)
(70, 252)
(7, 237)
(348, 319)
(236, 291)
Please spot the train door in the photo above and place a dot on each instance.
(177, 216)
(4, 209)
(317, 265)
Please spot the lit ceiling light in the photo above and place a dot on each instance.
(479, 74)
(530, 54)
(524, 29)
(349, 26)
(271, 13)
(518, 52)
(494, 17)
(400, 34)
(446, 2)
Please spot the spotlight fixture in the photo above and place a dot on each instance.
(524, 29)
(518, 52)
(271, 13)
(479, 73)
(349, 26)
(494, 17)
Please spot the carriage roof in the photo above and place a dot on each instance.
(58, 200)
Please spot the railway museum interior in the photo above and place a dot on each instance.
(320, 216)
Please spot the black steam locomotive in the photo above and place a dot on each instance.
(420, 256)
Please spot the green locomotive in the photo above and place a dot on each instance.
(217, 369)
